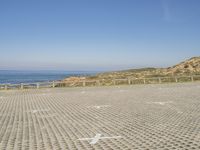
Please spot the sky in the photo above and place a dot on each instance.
(97, 34)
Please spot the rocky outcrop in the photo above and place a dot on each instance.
(191, 66)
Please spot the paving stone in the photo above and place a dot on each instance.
(143, 117)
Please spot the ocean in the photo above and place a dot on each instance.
(17, 77)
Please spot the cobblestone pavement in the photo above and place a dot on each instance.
(162, 117)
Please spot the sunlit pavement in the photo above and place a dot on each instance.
(162, 117)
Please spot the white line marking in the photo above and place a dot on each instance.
(121, 90)
(174, 108)
(83, 92)
(160, 103)
(98, 137)
(99, 106)
(34, 111)
(167, 104)
(95, 139)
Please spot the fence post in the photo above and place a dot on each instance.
(6, 86)
(84, 83)
(160, 81)
(98, 83)
(38, 85)
(192, 78)
(176, 79)
(114, 82)
(22, 86)
(129, 81)
(53, 84)
(144, 81)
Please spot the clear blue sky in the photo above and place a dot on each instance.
(97, 34)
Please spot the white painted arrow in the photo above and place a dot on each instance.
(98, 137)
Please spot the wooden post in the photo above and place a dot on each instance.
(176, 79)
(129, 81)
(98, 83)
(144, 81)
(6, 87)
(84, 83)
(160, 81)
(38, 85)
(192, 78)
(22, 86)
(114, 83)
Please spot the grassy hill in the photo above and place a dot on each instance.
(188, 67)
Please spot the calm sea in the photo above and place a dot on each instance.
(15, 77)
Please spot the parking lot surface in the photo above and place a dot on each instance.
(143, 117)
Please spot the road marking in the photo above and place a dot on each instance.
(99, 106)
(34, 111)
(167, 104)
(98, 137)
(83, 92)
(174, 108)
(160, 103)
(121, 90)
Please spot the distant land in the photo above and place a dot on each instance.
(187, 67)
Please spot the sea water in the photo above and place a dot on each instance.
(16, 77)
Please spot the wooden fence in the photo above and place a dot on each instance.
(102, 82)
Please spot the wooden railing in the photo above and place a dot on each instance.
(102, 82)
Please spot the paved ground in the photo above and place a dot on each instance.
(127, 117)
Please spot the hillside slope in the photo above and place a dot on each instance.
(191, 66)
(188, 67)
